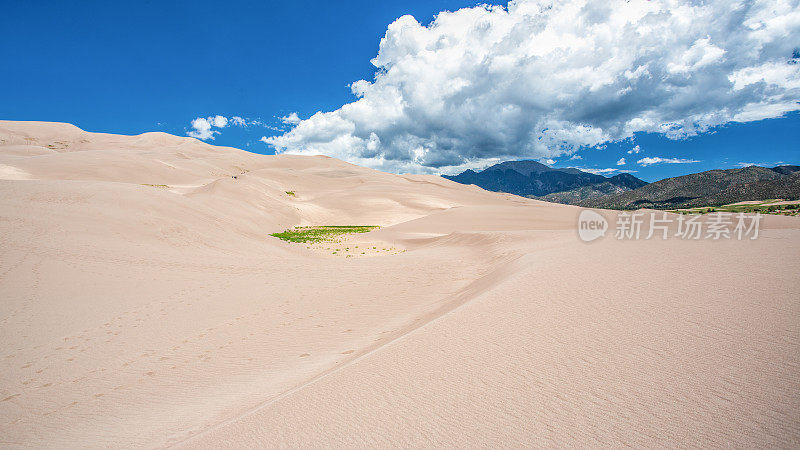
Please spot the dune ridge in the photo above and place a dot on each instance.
(145, 304)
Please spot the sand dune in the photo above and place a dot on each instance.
(145, 304)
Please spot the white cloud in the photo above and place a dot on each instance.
(701, 54)
(576, 157)
(621, 162)
(634, 150)
(656, 160)
(541, 79)
(202, 129)
(761, 164)
(218, 121)
(291, 119)
(549, 162)
(246, 122)
(598, 171)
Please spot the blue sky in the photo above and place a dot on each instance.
(132, 67)
(767, 143)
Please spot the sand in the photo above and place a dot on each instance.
(144, 304)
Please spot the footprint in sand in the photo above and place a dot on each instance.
(348, 352)
(304, 355)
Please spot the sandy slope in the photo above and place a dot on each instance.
(144, 304)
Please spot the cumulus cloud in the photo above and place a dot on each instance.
(202, 127)
(218, 121)
(541, 79)
(644, 162)
(634, 150)
(621, 162)
(291, 119)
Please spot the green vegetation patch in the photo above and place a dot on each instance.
(290, 193)
(766, 207)
(327, 233)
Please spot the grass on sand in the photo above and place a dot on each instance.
(321, 233)
(765, 207)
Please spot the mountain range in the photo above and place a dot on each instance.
(534, 179)
(624, 191)
(710, 188)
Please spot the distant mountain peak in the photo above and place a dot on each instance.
(533, 179)
(524, 167)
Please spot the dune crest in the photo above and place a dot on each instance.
(145, 304)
